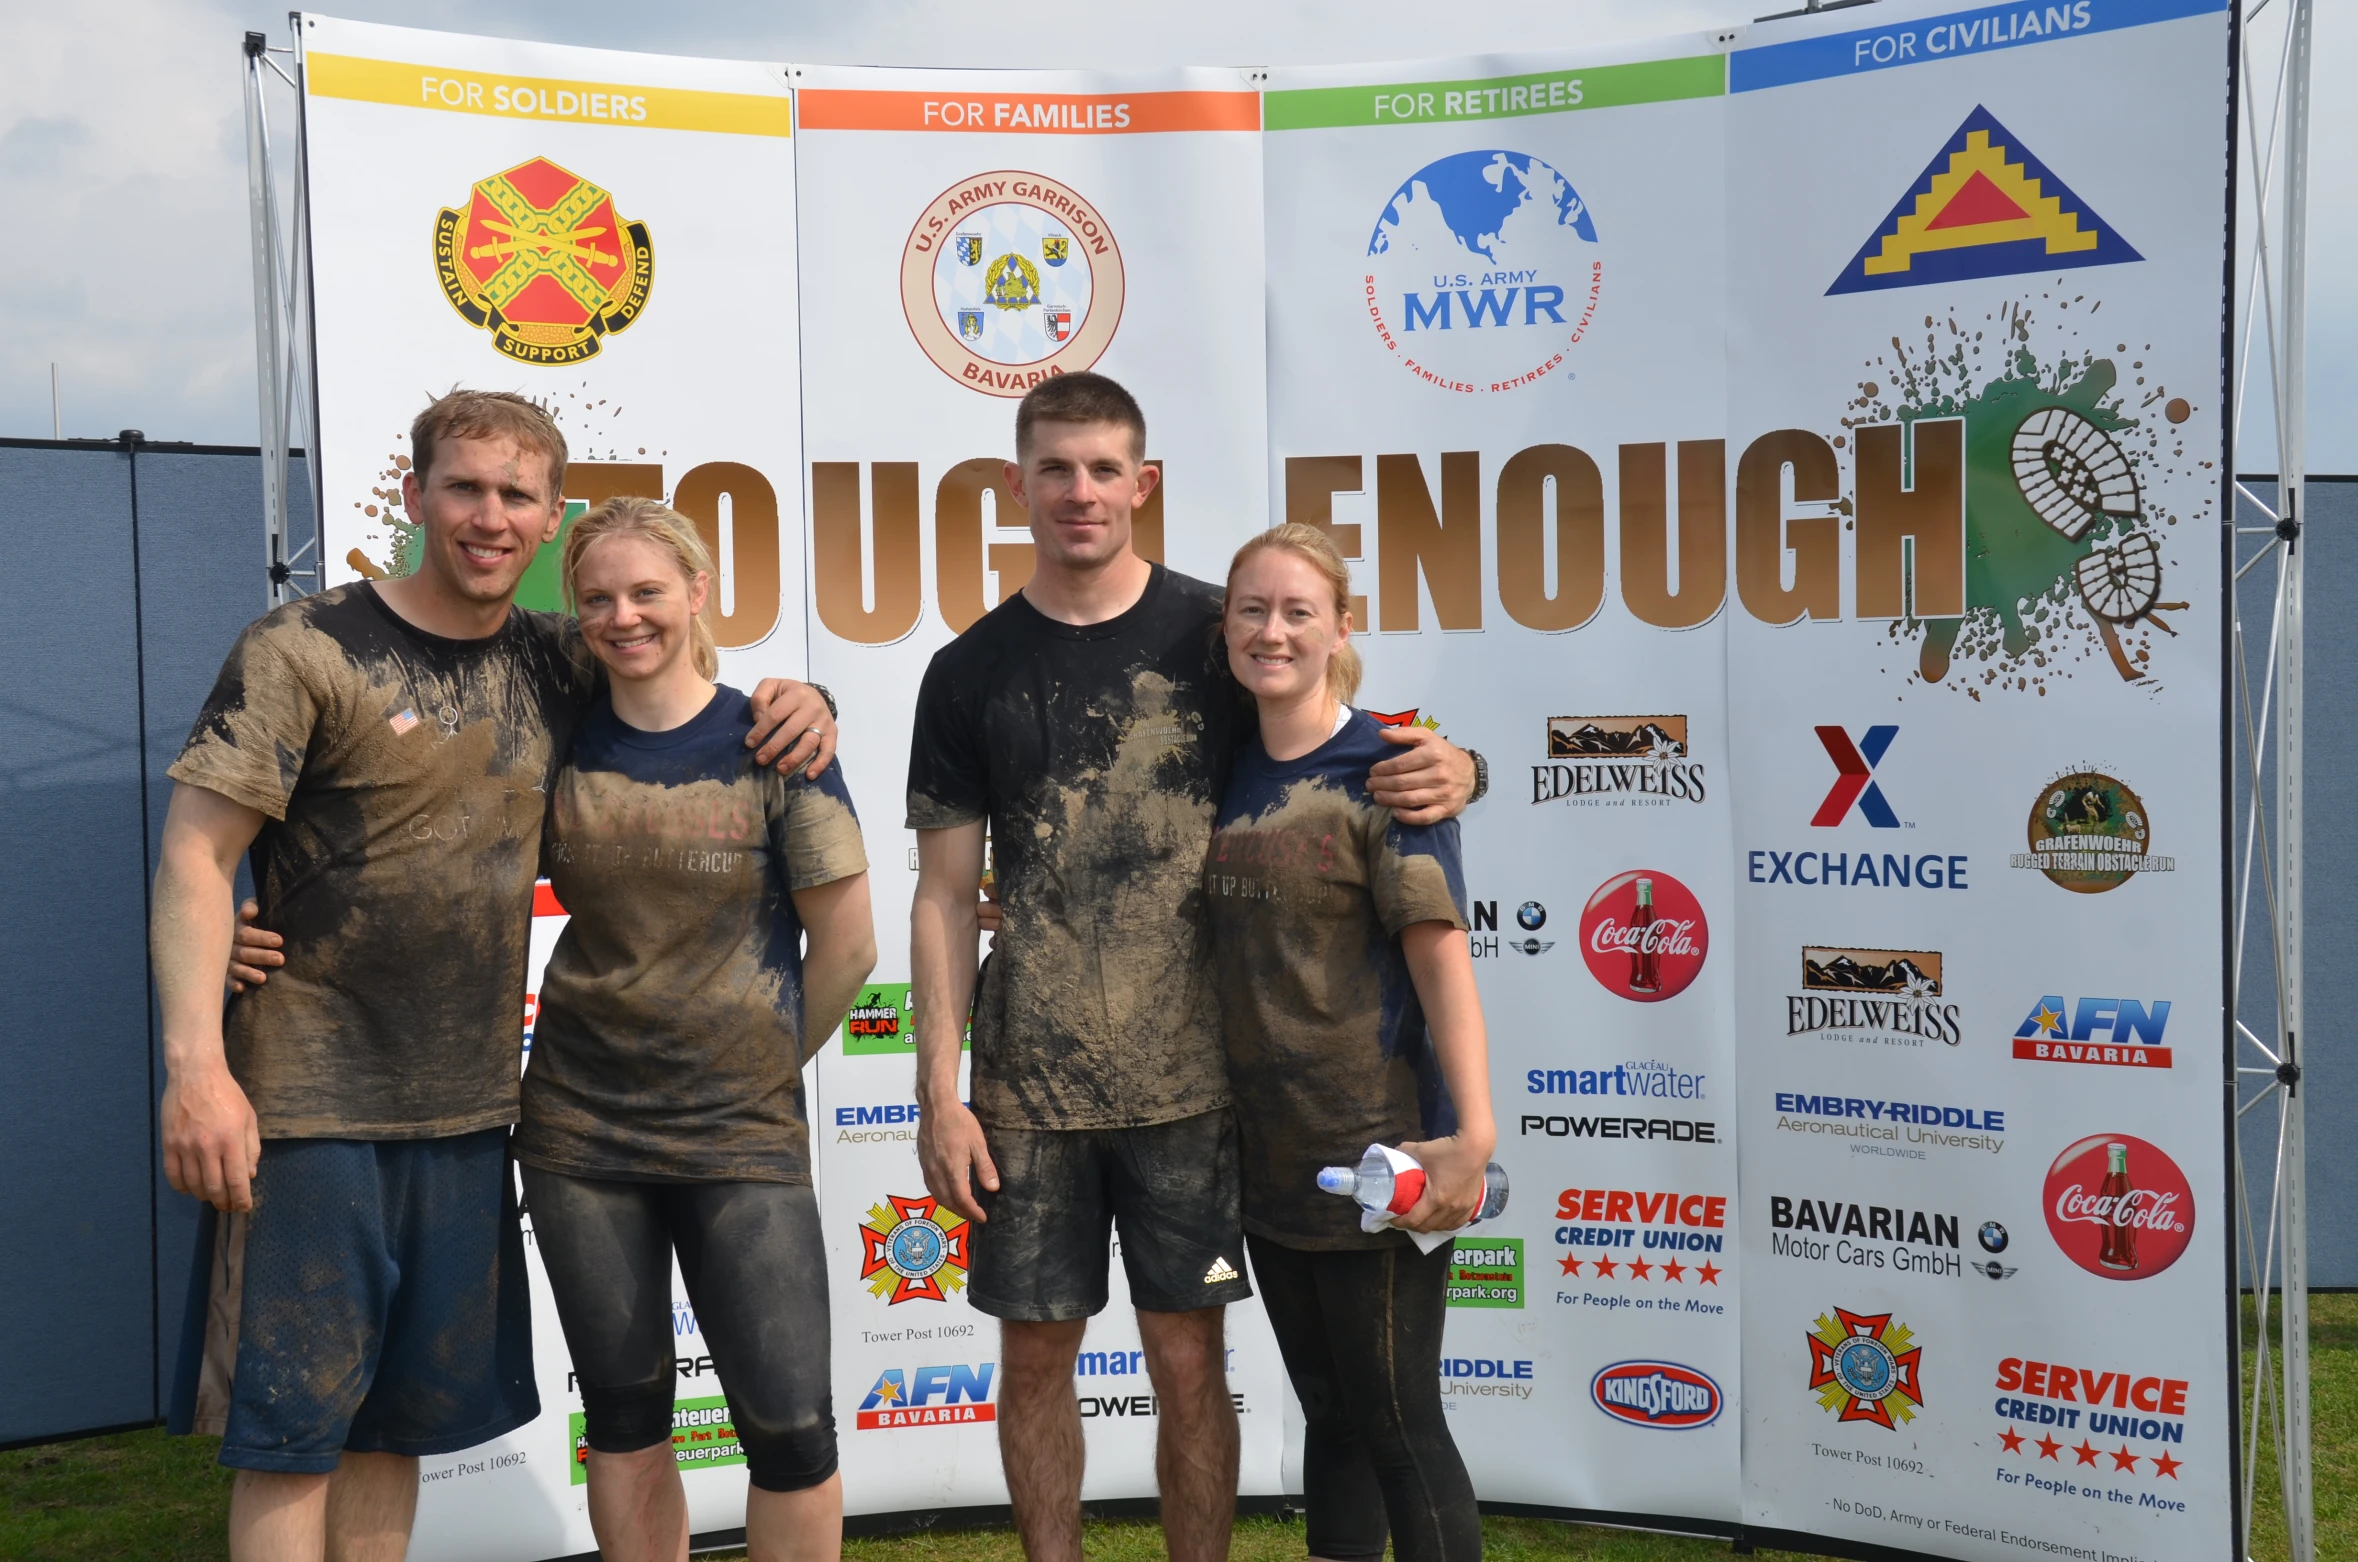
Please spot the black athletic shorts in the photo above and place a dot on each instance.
(1174, 1190)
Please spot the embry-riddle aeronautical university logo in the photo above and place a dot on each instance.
(540, 259)
(1864, 1367)
(1984, 207)
(1483, 272)
(912, 1250)
(1008, 278)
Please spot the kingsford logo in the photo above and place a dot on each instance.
(1656, 1393)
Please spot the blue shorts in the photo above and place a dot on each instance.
(373, 1301)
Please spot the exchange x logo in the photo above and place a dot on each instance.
(1855, 783)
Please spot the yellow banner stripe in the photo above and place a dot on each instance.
(545, 99)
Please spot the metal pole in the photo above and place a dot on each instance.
(56, 416)
(269, 319)
(2291, 446)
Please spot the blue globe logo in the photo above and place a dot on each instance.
(1484, 272)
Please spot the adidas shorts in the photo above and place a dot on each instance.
(1171, 1189)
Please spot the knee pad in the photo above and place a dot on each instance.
(625, 1420)
(793, 1458)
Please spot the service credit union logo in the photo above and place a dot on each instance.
(2119, 1207)
(539, 258)
(1644, 936)
(1008, 278)
(1661, 1394)
(1483, 272)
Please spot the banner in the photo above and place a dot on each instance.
(1974, 431)
(1791, 455)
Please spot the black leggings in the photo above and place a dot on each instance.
(757, 1278)
(1361, 1335)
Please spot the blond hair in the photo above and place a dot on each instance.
(474, 414)
(664, 526)
(1314, 545)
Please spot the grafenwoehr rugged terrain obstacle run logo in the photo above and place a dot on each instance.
(1010, 277)
(540, 258)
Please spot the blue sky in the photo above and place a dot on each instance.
(122, 157)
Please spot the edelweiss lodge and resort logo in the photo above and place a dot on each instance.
(539, 258)
(1891, 997)
(1617, 761)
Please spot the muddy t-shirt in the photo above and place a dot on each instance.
(1097, 752)
(1309, 884)
(404, 777)
(670, 1038)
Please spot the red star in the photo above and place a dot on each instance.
(1607, 1268)
(1571, 1266)
(2163, 1464)
(2086, 1451)
(1672, 1269)
(2124, 1460)
(1708, 1274)
(1640, 1269)
(2048, 1448)
(2012, 1439)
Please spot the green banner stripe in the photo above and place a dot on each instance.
(1501, 97)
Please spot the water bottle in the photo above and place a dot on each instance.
(1391, 1181)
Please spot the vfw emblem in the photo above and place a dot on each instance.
(1864, 1367)
(912, 1250)
(1008, 278)
(540, 258)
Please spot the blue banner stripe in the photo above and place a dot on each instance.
(1947, 37)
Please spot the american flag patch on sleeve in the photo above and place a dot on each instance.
(403, 722)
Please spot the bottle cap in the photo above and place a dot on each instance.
(1338, 1179)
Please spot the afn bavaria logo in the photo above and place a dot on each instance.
(1008, 278)
(912, 1250)
(540, 259)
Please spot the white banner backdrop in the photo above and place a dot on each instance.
(1684, 430)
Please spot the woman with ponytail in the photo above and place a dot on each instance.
(1350, 1018)
(719, 929)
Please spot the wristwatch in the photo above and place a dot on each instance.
(837, 715)
(1481, 775)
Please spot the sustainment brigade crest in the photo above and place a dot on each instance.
(1985, 207)
(540, 258)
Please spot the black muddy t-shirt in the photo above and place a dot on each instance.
(1098, 753)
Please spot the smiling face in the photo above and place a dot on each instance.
(485, 509)
(1081, 481)
(1282, 626)
(636, 606)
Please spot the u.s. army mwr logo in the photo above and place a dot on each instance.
(541, 260)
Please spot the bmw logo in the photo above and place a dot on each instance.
(1531, 916)
(1993, 1237)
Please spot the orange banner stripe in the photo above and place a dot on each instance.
(1068, 114)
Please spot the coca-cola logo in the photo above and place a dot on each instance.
(2119, 1207)
(1644, 935)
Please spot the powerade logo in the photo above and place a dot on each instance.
(1854, 778)
(2130, 1032)
(931, 1396)
(1661, 1394)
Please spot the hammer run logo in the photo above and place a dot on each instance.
(540, 258)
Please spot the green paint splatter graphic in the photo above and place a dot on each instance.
(2074, 467)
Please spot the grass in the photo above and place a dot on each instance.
(159, 1499)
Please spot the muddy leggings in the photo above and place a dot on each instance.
(1361, 1336)
(757, 1277)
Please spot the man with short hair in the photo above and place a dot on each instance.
(385, 750)
(1090, 720)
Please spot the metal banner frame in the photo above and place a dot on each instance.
(285, 382)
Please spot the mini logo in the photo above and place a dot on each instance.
(1644, 935)
(540, 259)
(930, 1396)
(1220, 1273)
(1617, 762)
(1661, 1394)
(402, 722)
(1531, 916)
(1888, 996)
(1854, 780)
(913, 1250)
(1864, 1367)
(1483, 272)
(1532, 946)
(1983, 207)
(1994, 1270)
(2121, 1032)
(1047, 301)
(2089, 833)
(2119, 1207)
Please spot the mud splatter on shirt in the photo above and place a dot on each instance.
(404, 776)
(670, 1041)
(1309, 884)
(1098, 753)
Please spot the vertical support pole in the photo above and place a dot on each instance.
(270, 355)
(2291, 445)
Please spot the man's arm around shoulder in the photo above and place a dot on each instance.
(1432, 779)
(944, 936)
(212, 1141)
